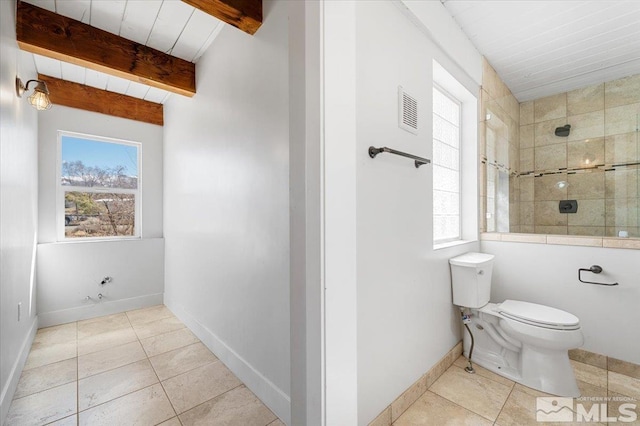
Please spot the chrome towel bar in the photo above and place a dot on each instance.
(419, 161)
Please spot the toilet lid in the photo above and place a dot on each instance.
(543, 316)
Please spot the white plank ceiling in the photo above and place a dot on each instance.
(542, 47)
(170, 26)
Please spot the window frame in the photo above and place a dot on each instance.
(62, 189)
(446, 93)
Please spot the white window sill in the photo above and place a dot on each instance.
(452, 244)
(96, 240)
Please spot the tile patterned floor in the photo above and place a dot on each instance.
(485, 398)
(142, 367)
(145, 367)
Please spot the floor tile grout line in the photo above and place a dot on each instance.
(45, 390)
(161, 353)
(90, 353)
(162, 333)
(55, 421)
(150, 321)
(161, 386)
(118, 397)
(504, 404)
(104, 332)
(110, 369)
(453, 402)
(224, 393)
(147, 358)
(464, 408)
(158, 377)
(182, 347)
(213, 362)
(49, 363)
(165, 332)
(195, 368)
(129, 393)
(106, 349)
(165, 391)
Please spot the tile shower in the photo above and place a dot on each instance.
(528, 169)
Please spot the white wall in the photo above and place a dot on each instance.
(440, 27)
(306, 293)
(406, 321)
(339, 213)
(70, 271)
(92, 123)
(18, 210)
(548, 274)
(227, 205)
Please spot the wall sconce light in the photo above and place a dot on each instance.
(39, 99)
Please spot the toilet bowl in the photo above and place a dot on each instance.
(525, 342)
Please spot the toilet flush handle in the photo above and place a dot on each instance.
(481, 272)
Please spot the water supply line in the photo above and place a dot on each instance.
(466, 319)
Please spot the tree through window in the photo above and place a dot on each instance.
(99, 186)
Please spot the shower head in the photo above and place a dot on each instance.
(563, 131)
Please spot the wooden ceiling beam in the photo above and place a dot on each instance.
(49, 34)
(243, 14)
(89, 98)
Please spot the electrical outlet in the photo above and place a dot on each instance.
(19, 310)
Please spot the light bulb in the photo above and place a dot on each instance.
(39, 100)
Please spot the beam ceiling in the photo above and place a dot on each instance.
(243, 14)
(49, 34)
(89, 98)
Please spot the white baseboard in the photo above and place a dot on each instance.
(12, 383)
(97, 309)
(270, 394)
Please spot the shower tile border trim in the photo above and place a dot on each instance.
(566, 240)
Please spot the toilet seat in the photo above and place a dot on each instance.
(538, 315)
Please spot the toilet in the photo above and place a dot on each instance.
(525, 342)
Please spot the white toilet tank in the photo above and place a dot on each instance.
(471, 279)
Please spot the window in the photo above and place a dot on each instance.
(446, 167)
(98, 187)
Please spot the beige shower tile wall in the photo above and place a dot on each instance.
(499, 124)
(604, 121)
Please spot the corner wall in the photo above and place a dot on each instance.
(18, 210)
(600, 154)
(405, 317)
(227, 205)
(70, 271)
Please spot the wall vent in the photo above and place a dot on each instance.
(408, 111)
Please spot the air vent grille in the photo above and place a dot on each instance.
(408, 116)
